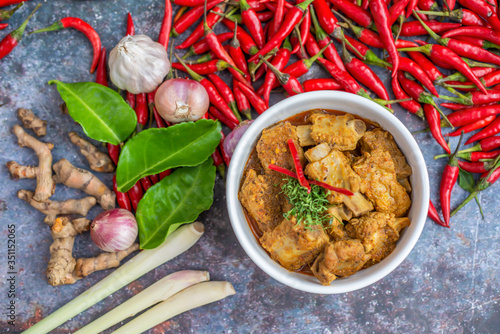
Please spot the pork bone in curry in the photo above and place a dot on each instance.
(333, 234)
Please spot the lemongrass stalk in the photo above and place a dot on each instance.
(158, 292)
(188, 299)
(176, 243)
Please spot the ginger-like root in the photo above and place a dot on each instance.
(63, 268)
(84, 180)
(45, 185)
(30, 121)
(98, 161)
(52, 208)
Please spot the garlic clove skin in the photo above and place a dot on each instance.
(137, 64)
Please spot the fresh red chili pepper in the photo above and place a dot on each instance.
(412, 106)
(449, 57)
(485, 145)
(355, 13)
(478, 42)
(433, 214)
(258, 103)
(114, 152)
(411, 6)
(381, 19)
(429, 5)
(364, 74)
(462, 15)
(179, 13)
(304, 27)
(301, 67)
(146, 183)
(397, 10)
(291, 19)
(470, 115)
(479, 156)
(414, 28)
(252, 23)
(312, 47)
(463, 48)
(83, 27)
(298, 166)
(483, 9)
(480, 72)
(323, 39)
(135, 194)
(212, 19)
(279, 13)
(489, 131)
(242, 101)
(225, 156)
(247, 43)
(6, 14)
(141, 108)
(202, 47)
(208, 67)
(318, 183)
(3, 26)
(472, 127)
(221, 117)
(473, 167)
(10, 41)
(188, 19)
(312, 85)
(325, 17)
(226, 93)
(121, 198)
(290, 83)
(478, 32)
(237, 54)
(102, 74)
(165, 173)
(432, 117)
(279, 61)
(130, 25)
(160, 122)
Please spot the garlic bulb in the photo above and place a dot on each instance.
(137, 64)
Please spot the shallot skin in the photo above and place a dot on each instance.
(181, 100)
(114, 230)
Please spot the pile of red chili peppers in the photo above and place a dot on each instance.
(258, 39)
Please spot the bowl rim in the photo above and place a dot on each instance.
(274, 269)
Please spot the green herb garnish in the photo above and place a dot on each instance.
(308, 208)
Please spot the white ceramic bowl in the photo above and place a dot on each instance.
(355, 105)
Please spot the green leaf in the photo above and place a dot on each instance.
(154, 150)
(177, 199)
(466, 181)
(103, 113)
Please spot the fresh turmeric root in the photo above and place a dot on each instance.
(30, 121)
(45, 185)
(62, 267)
(84, 180)
(52, 208)
(98, 161)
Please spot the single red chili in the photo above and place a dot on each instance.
(298, 166)
(470, 115)
(478, 32)
(364, 74)
(463, 48)
(130, 25)
(485, 145)
(226, 93)
(411, 7)
(312, 85)
(290, 83)
(474, 167)
(414, 28)
(449, 57)
(3, 26)
(279, 13)
(205, 68)
(355, 13)
(242, 101)
(312, 47)
(160, 122)
(141, 109)
(225, 156)
(489, 131)
(279, 61)
(304, 26)
(483, 9)
(291, 19)
(102, 74)
(314, 182)
(237, 54)
(247, 43)
(252, 23)
(483, 44)
(412, 106)
(121, 198)
(6, 14)
(202, 47)
(433, 214)
(83, 27)
(114, 152)
(146, 183)
(472, 127)
(135, 194)
(462, 15)
(188, 19)
(478, 156)
(381, 19)
(432, 117)
(323, 39)
(325, 16)
(258, 103)
(212, 19)
(221, 117)
(397, 10)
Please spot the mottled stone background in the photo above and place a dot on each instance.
(448, 284)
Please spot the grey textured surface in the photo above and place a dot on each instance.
(448, 284)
